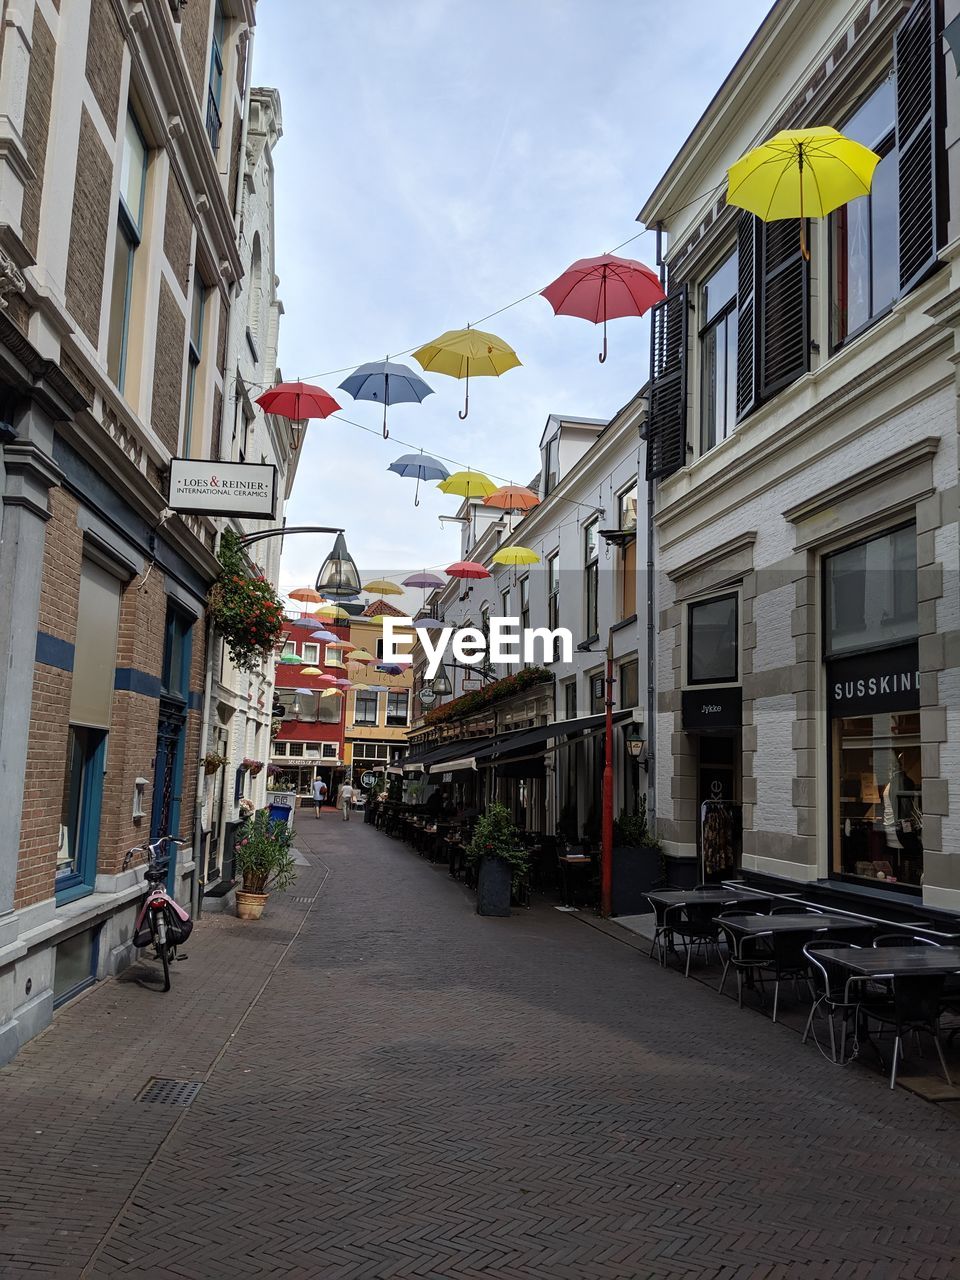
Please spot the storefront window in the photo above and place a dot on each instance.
(712, 641)
(879, 821)
(870, 593)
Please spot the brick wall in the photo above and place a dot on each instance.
(177, 232)
(36, 126)
(46, 753)
(105, 59)
(88, 230)
(194, 40)
(168, 368)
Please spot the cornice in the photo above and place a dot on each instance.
(743, 542)
(893, 465)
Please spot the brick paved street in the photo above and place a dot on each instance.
(416, 1092)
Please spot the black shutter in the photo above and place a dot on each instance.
(667, 416)
(918, 61)
(748, 249)
(784, 332)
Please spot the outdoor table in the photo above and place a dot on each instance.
(799, 923)
(721, 897)
(896, 962)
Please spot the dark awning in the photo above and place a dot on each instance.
(452, 751)
(510, 744)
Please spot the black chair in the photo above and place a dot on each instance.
(902, 940)
(832, 977)
(795, 911)
(697, 927)
(663, 921)
(914, 1005)
(746, 953)
(788, 960)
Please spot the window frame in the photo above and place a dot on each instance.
(194, 359)
(829, 654)
(214, 121)
(591, 578)
(688, 635)
(727, 316)
(397, 719)
(363, 697)
(130, 228)
(315, 660)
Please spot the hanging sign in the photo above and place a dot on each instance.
(885, 680)
(209, 488)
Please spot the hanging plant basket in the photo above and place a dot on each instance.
(253, 767)
(212, 762)
(246, 611)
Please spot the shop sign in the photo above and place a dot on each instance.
(368, 779)
(711, 710)
(212, 488)
(887, 680)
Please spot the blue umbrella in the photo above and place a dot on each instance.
(388, 383)
(422, 467)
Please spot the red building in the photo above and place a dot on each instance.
(309, 743)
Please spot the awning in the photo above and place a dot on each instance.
(456, 754)
(510, 744)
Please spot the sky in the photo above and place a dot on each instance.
(439, 161)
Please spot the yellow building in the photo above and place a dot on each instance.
(378, 712)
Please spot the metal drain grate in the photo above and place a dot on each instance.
(170, 1093)
(305, 901)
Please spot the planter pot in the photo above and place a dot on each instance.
(250, 905)
(493, 887)
(636, 870)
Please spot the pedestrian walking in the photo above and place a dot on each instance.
(319, 794)
(345, 800)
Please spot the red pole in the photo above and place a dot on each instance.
(606, 845)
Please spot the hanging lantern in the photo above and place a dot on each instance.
(338, 577)
(441, 682)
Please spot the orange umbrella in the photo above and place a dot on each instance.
(512, 497)
(308, 594)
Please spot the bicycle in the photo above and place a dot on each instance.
(161, 922)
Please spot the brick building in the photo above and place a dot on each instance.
(309, 742)
(378, 708)
(119, 260)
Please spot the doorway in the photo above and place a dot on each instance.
(719, 812)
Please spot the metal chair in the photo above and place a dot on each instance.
(788, 961)
(663, 917)
(742, 955)
(697, 927)
(914, 1005)
(902, 940)
(833, 977)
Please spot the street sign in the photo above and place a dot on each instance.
(427, 697)
(213, 488)
(368, 779)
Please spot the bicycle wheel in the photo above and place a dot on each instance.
(163, 951)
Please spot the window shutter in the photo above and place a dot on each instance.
(917, 62)
(748, 249)
(784, 335)
(667, 419)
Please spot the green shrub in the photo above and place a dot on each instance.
(263, 860)
(495, 836)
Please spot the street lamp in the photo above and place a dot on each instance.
(338, 577)
(441, 683)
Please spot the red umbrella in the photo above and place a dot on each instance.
(467, 569)
(297, 401)
(604, 288)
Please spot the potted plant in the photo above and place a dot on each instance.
(252, 766)
(245, 610)
(637, 862)
(503, 861)
(212, 761)
(263, 861)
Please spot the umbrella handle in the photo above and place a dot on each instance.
(466, 399)
(416, 492)
(386, 433)
(603, 289)
(804, 251)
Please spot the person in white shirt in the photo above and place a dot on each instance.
(319, 794)
(345, 800)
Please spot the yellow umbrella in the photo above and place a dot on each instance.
(331, 611)
(468, 484)
(515, 556)
(801, 173)
(361, 655)
(462, 352)
(311, 671)
(331, 693)
(383, 587)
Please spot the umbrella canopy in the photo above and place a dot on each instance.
(344, 683)
(297, 401)
(387, 384)
(327, 636)
(331, 611)
(462, 352)
(467, 569)
(383, 587)
(512, 497)
(308, 594)
(426, 624)
(801, 173)
(515, 556)
(311, 671)
(420, 466)
(424, 580)
(468, 484)
(291, 658)
(330, 693)
(603, 288)
(361, 655)
(390, 668)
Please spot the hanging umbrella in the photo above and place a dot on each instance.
(298, 401)
(311, 671)
(424, 580)
(326, 680)
(467, 569)
(308, 594)
(383, 587)
(515, 556)
(604, 288)
(512, 497)
(327, 636)
(343, 683)
(361, 655)
(468, 484)
(330, 693)
(422, 467)
(330, 611)
(426, 624)
(462, 352)
(801, 173)
(291, 659)
(386, 383)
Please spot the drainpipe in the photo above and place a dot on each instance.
(198, 850)
(651, 612)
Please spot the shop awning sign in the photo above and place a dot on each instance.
(869, 683)
(712, 710)
(203, 487)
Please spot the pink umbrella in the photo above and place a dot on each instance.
(606, 287)
(467, 569)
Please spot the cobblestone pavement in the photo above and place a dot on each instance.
(394, 1087)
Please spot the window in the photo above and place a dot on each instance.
(365, 707)
(255, 298)
(591, 576)
(712, 641)
(524, 603)
(718, 354)
(553, 591)
(311, 655)
(289, 648)
(627, 509)
(333, 657)
(329, 751)
(296, 748)
(627, 554)
(870, 593)
(133, 187)
(570, 700)
(379, 648)
(191, 426)
(397, 703)
(551, 466)
(865, 274)
(175, 679)
(505, 603)
(279, 748)
(598, 695)
(629, 683)
(215, 81)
